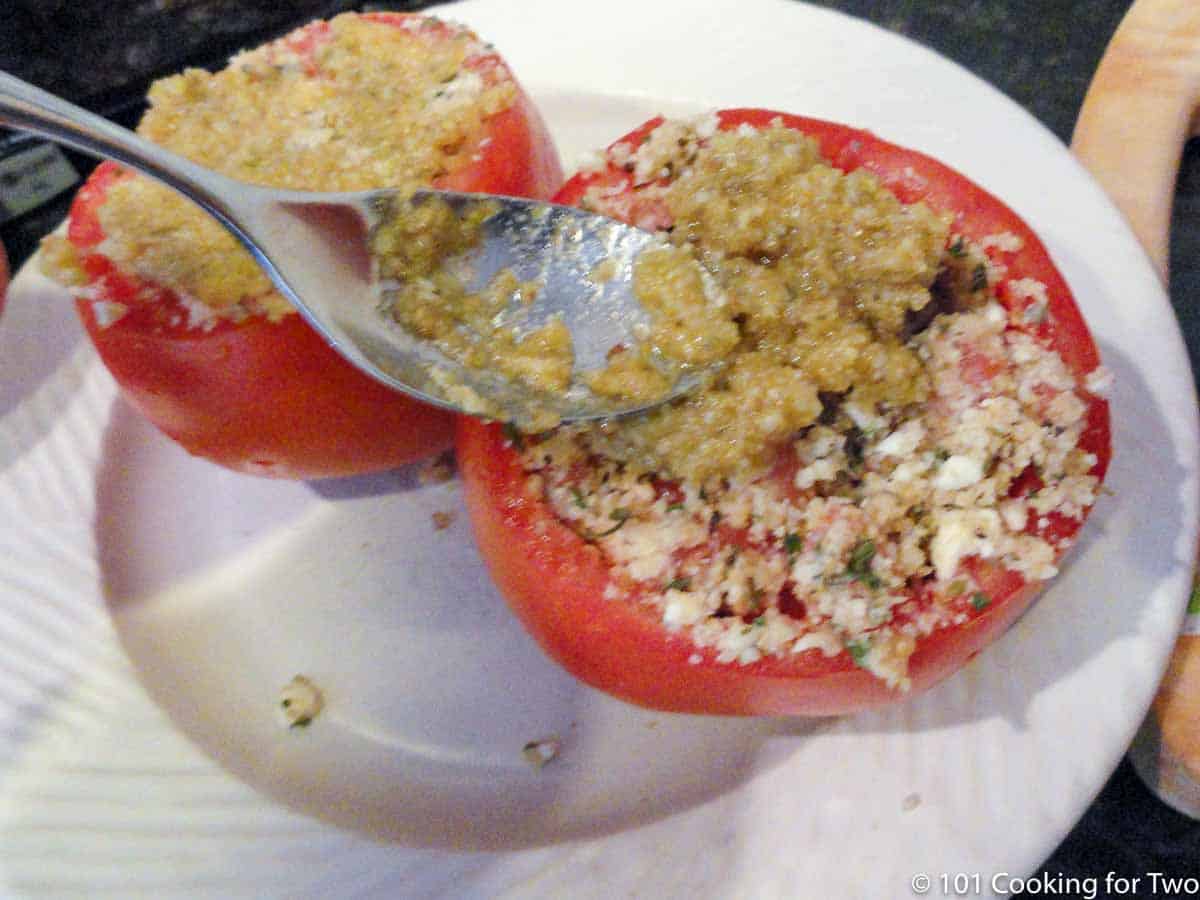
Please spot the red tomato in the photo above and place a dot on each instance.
(555, 581)
(271, 398)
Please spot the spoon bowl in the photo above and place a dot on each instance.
(316, 248)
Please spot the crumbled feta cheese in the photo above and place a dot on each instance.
(863, 417)
(1015, 514)
(683, 608)
(300, 701)
(961, 533)
(642, 548)
(958, 472)
(902, 442)
(1005, 242)
(995, 313)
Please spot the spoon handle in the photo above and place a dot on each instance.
(31, 109)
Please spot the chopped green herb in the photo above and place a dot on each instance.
(979, 279)
(679, 584)
(941, 454)
(958, 249)
(577, 495)
(675, 507)
(858, 650)
(761, 621)
(980, 600)
(1194, 600)
(792, 543)
(620, 515)
(862, 554)
(854, 451)
(859, 567)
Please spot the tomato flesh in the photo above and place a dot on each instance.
(555, 581)
(272, 398)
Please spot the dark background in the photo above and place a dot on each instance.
(1042, 54)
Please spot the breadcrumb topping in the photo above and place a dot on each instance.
(862, 514)
(809, 279)
(344, 105)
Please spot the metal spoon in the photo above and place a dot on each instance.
(314, 247)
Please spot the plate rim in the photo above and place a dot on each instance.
(1170, 613)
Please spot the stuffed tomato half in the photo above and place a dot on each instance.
(904, 437)
(194, 333)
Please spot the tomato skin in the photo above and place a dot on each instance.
(266, 398)
(272, 398)
(555, 581)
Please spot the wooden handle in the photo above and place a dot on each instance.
(1140, 109)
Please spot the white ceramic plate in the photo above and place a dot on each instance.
(152, 606)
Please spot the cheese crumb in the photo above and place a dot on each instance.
(300, 701)
(958, 472)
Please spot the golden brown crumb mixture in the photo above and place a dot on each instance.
(414, 248)
(421, 251)
(375, 106)
(816, 274)
(872, 431)
(421, 248)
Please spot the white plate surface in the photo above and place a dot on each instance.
(151, 606)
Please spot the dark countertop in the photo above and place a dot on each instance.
(1040, 54)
